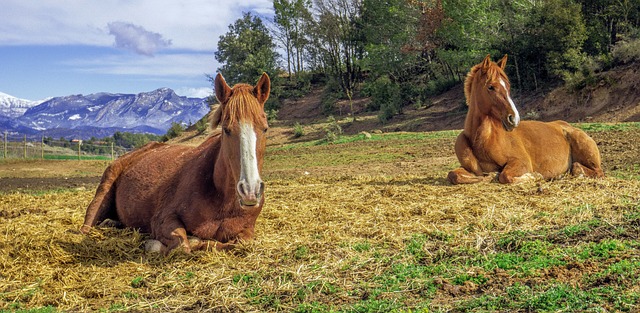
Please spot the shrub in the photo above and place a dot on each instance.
(332, 130)
(201, 125)
(329, 99)
(438, 86)
(174, 131)
(297, 87)
(385, 95)
(626, 52)
(298, 130)
(272, 115)
(331, 93)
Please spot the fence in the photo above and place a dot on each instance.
(20, 146)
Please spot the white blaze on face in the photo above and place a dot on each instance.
(516, 118)
(249, 176)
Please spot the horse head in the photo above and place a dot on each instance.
(487, 87)
(244, 126)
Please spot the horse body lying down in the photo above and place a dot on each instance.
(213, 191)
(494, 139)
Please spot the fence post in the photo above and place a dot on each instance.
(42, 148)
(25, 146)
(112, 156)
(79, 143)
(5, 144)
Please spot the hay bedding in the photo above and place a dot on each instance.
(306, 246)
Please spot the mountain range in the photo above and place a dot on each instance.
(100, 114)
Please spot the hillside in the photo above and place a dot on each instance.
(614, 98)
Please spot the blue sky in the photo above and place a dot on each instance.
(54, 48)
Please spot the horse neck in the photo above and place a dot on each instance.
(477, 121)
(223, 178)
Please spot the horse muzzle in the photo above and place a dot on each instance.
(510, 122)
(250, 194)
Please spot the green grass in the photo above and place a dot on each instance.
(405, 136)
(75, 157)
(596, 127)
(526, 257)
(46, 309)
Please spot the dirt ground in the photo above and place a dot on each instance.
(38, 175)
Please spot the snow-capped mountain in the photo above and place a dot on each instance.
(11, 106)
(148, 111)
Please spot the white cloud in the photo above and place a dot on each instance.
(191, 24)
(137, 39)
(88, 30)
(174, 65)
(194, 92)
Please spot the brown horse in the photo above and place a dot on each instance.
(213, 191)
(494, 139)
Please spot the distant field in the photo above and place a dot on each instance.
(362, 225)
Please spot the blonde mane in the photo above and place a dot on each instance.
(242, 105)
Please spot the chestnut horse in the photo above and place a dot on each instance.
(495, 140)
(213, 191)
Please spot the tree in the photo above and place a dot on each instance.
(469, 31)
(246, 51)
(389, 29)
(552, 41)
(292, 19)
(339, 42)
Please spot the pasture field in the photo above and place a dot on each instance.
(362, 225)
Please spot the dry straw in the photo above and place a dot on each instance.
(320, 239)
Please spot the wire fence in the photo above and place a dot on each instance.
(16, 146)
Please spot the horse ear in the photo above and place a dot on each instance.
(223, 92)
(263, 88)
(503, 62)
(486, 62)
(214, 118)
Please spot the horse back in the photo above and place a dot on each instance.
(143, 182)
(103, 205)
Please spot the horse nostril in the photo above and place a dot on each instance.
(242, 189)
(261, 190)
(511, 120)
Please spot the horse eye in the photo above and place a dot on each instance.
(265, 129)
(491, 88)
(227, 131)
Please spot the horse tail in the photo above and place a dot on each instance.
(103, 206)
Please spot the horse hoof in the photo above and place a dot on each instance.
(194, 241)
(153, 246)
(111, 223)
(85, 229)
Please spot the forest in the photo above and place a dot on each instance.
(401, 52)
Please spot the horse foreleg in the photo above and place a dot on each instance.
(211, 245)
(462, 176)
(155, 246)
(470, 171)
(517, 171)
(195, 244)
(171, 234)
